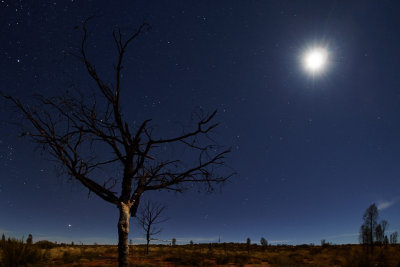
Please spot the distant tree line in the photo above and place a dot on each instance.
(373, 233)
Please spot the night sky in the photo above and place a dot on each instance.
(311, 152)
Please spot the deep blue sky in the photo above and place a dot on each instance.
(311, 153)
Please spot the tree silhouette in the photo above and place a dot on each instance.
(263, 242)
(380, 232)
(393, 238)
(386, 241)
(369, 227)
(3, 240)
(84, 134)
(248, 243)
(148, 217)
(174, 241)
(29, 240)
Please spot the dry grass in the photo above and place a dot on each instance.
(231, 254)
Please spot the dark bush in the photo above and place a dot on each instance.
(44, 244)
(68, 257)
(16, 253)
(189, 259)
(111, 250)
(90, 255)
(223, 259)
(241, 260)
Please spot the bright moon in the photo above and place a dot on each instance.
(315, 60)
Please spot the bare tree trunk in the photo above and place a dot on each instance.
(123, 231)
(372, 235)
(148, 241)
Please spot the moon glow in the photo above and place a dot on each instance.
(315, 60)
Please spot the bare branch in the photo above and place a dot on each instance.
(149, 216)
(76, 130)
(199, 130)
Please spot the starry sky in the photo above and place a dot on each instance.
(311, 152)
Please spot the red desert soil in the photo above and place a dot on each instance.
(112, 261)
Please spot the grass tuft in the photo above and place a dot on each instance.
(15, 253)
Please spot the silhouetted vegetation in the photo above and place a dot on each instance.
(367, 228)
(248, 243)
(222, 254)
(148, 217)
(29, 240)
(44, 244)
(45, 253)
(66, 126)
(17, 253)
(373, 233)
(264, 243)
(393, 238)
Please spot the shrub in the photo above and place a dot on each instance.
(90, 255)
(29, 240)
(241, 260)
(69, 257)
(223, 259)
(44, 244)
(16, 253)
(188, 259)
(359, 259)
(111, 250)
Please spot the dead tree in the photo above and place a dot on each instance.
(76, 131)
(369, 226)
(148, 217)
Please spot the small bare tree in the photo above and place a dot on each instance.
(264, 243)
(248, 244)
(368, 227)
(29, 240)
(393, 238)
(84, 134)
(148, 217)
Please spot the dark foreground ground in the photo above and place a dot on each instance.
(226, 254)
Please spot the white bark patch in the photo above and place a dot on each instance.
(124, 216)
(123, 231)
